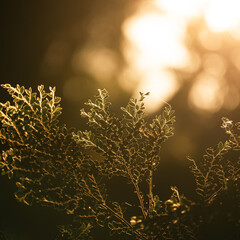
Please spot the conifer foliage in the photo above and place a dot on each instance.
(66, 169)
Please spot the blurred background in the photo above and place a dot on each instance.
(185, 53)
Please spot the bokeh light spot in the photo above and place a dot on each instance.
(235, 57)
(207, 93)
(100, 63)
(214, 64)
(232, 99)
(209, 40)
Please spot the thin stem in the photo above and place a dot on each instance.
(124, 221)
(104, 205)
(235, 138)
(150, 190)
(138, 194)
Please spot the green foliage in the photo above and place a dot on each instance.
(67, 169)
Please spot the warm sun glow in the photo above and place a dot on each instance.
(222, 15)
(162, 86)
(183, 8)
(156, 39)
(154, 43)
